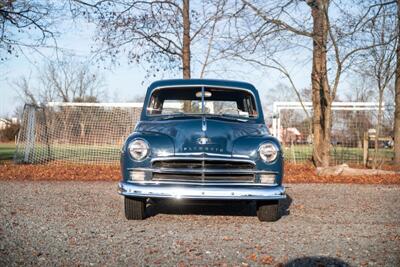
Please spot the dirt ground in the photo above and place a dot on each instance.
(82, 224)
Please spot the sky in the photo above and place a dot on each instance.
(125, 81)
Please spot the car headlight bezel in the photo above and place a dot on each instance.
(139, 149)
(268, 152)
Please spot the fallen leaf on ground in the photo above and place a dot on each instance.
(294, 173)
(267, 260)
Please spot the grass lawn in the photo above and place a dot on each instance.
(339, 154)
(78, 153)
(7, 151)
(73, 153)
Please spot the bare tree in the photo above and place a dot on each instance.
(26, 24)
(336, 41)
(397, 93)
(211, 35)
(158, 33)
(161, 34)
(186, 40)
(378, 63)
(25, 91)
(66, 81)
(154, 32)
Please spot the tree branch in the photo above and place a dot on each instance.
(277, 22)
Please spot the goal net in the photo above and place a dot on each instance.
(93, 133)
(354, 125)
(75, 132)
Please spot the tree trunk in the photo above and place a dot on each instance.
(186, 41)
(378, 128)
(397, 95)
(186, 49)
(321, 98)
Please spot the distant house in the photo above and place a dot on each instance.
(4, 123)
(291, 135)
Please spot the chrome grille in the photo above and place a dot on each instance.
(206, 164)
(185, 170)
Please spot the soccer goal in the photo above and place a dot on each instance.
(93, 133)
(75, 132)
(351, 121)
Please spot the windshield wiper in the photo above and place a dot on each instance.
(178, 115)
(229, 117)
(188, 115)
(235, 117)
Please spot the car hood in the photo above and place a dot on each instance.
(188, 134)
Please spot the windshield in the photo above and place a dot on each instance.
(188, 101)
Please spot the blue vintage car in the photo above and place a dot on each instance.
(202, 139)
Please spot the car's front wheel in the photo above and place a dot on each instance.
(135, 208)
(268, 211)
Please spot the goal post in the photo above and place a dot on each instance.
(75, 132)
(307, 106)
(94, 133)
(292, 125)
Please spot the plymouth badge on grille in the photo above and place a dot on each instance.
(202, 140)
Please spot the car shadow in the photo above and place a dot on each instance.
(316, 262)
(210, 208)
(284, 206)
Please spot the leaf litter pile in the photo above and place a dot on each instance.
(294, 173)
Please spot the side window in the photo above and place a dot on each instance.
(250, 106)
(155, 106)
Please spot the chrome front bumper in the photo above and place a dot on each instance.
(202, 191)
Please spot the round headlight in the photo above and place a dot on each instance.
(268, 152)
(139, 149)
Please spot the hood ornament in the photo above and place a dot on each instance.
(204, 124)
(203, 120)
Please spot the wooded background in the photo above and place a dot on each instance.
(342, 39)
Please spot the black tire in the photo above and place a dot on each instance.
(135, 208)
(268, 211)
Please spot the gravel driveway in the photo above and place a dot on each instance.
(82, 223)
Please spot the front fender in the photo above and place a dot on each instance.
(160, 145)
(248, 145)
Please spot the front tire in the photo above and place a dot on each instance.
(268, 211)
(135, 208)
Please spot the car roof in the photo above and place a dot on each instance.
(200, 82)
